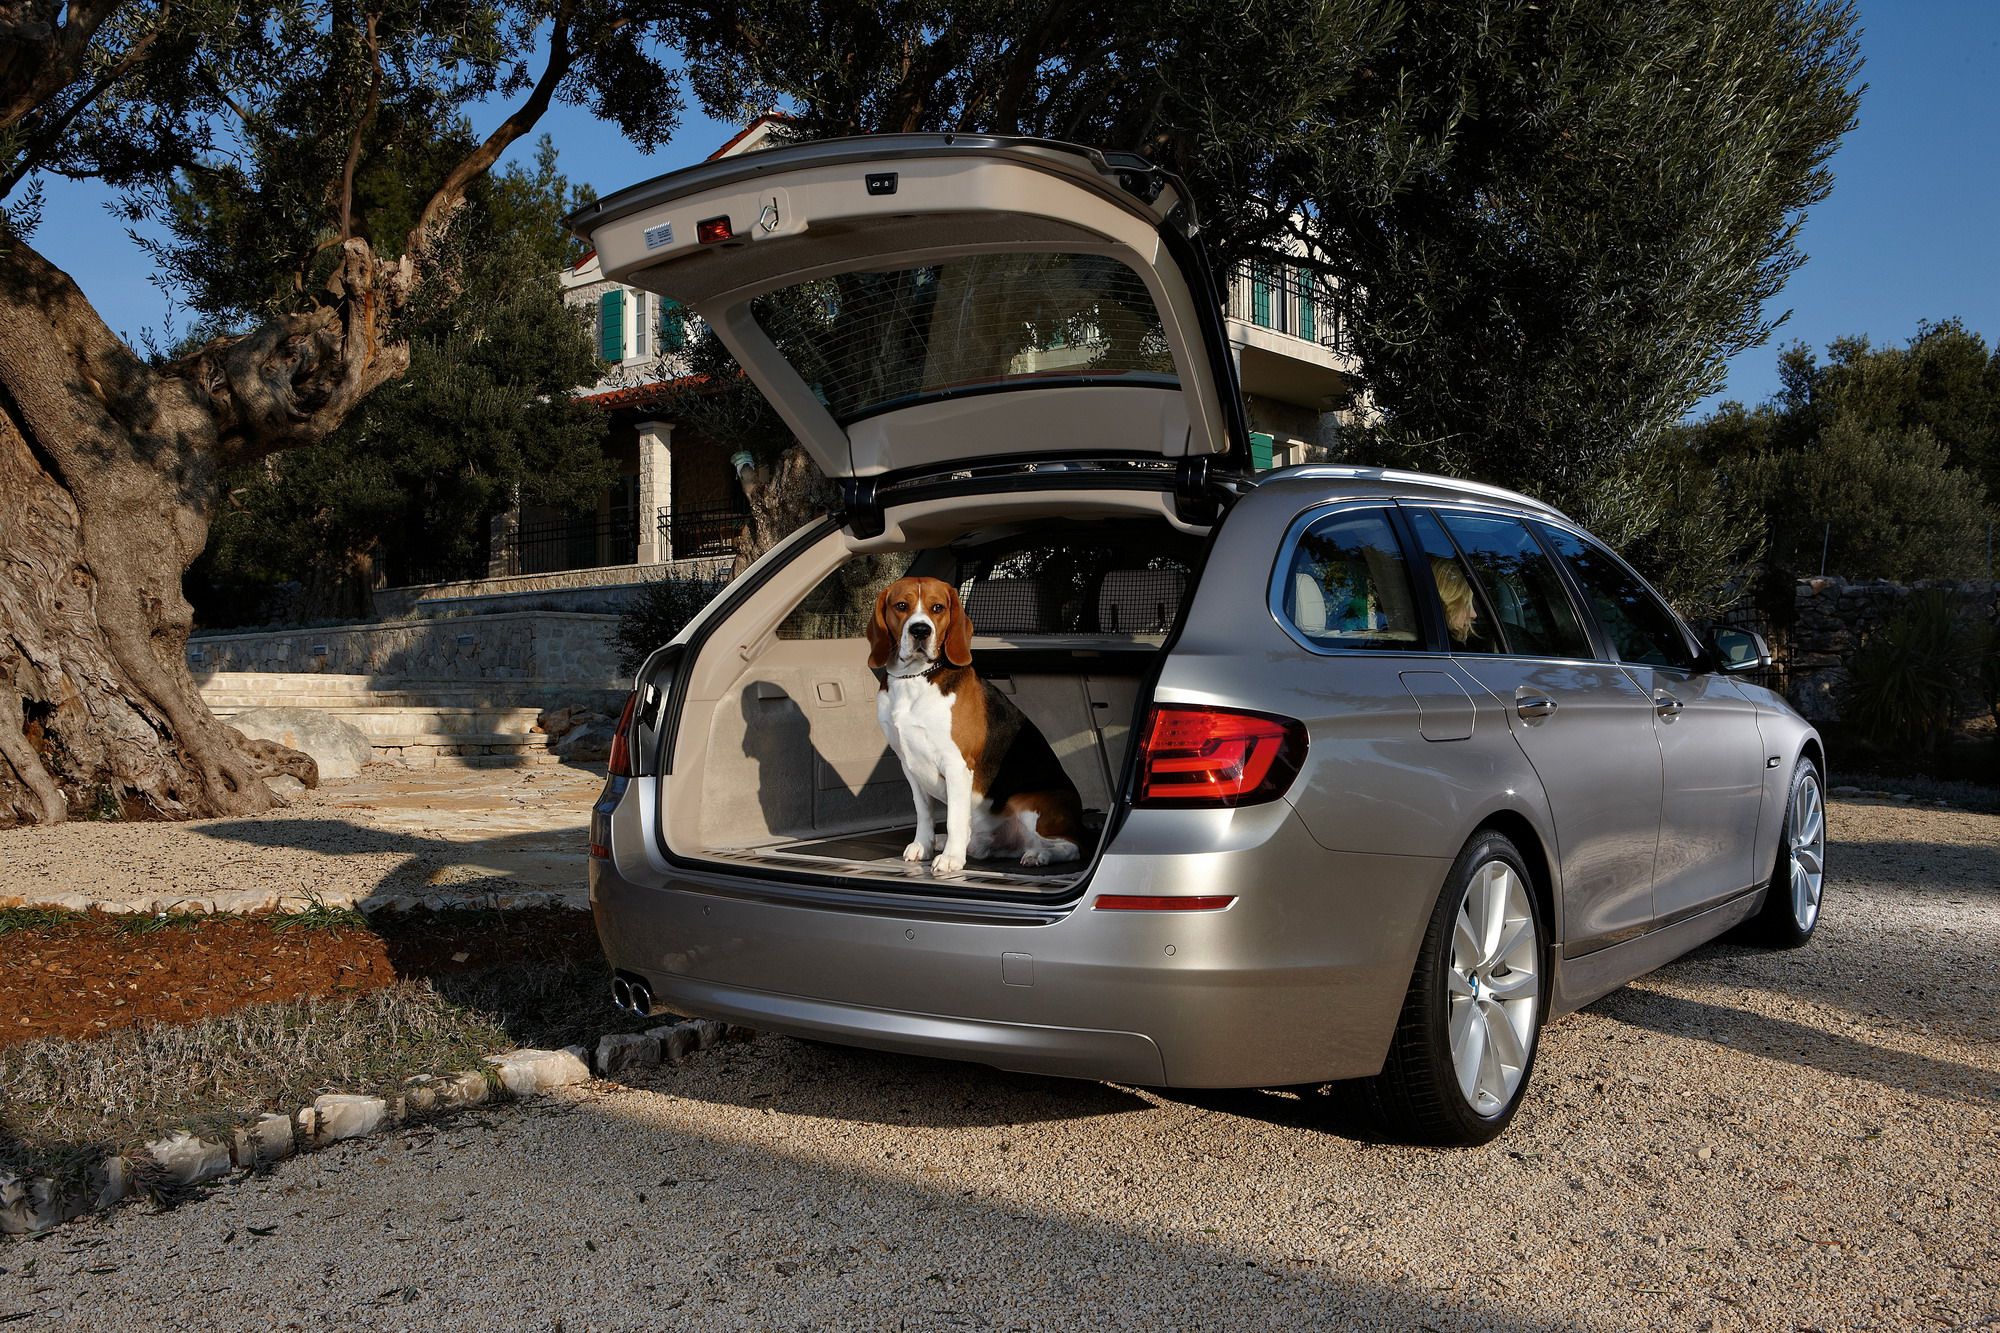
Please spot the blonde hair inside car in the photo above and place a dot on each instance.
(1456, 594)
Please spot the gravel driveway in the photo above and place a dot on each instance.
(1773, 1141)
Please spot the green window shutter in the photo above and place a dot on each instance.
(1260, 296)
(611, 325)
(673, 325)
(1260, 449)
(1308, 285)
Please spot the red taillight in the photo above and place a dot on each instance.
(621, 742)
(710, 230)
(1217, 756)
(1138, 902)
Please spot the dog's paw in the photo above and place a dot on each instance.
(947, 865)
(917, 851)
(1036, 857)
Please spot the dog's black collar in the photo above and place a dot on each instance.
(941, 665)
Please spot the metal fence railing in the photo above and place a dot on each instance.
(690, 532)
(582, 542)
(1288, 299)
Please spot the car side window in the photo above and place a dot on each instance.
(1346, 585)
(1469, 623)
(1530, 604)
(1641, 628)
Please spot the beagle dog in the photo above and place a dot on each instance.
(963, 742)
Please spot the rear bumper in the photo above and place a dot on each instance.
(1299, 981)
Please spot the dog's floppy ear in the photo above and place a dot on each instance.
(881, 643)
(958, 636)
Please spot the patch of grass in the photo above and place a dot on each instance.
(37, 918)
(317, 915)
(69, 1103)
(148, 923)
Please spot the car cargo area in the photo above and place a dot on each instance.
(780, 763)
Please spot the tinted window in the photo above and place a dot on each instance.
(1346, 585)
(1530, 605)
(1468, 620)
(1640, 627)
(867, 342)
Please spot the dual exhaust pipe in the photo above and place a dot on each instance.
(631, 994)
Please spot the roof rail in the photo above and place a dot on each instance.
(1398, 476)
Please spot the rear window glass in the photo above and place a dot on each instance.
(1347, 587)
(1127, 581)
(869, 342)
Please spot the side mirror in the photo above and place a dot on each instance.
(1738, 650)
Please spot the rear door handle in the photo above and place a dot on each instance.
(1666, 705)
(1535, 706)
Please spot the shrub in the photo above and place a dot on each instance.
(1909, 681)
(663, 610)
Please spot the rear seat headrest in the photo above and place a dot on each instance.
(1007, 606)
(1140, 601)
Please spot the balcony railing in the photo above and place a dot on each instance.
(583, 542)
(1287, 299)
(691, 532)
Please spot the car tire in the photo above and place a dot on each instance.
(1796, 894)
(1478, 996)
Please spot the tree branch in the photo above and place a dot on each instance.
(38, 59)
(452, 191)
(353, 161)
(46, 139)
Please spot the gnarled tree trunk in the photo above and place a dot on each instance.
(109, 465)
(107, 482)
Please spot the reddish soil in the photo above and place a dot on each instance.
(91, 972)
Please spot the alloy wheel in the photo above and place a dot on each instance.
(1494, 987)
(1807, 838)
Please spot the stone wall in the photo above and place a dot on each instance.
(543, 647)
(1831, 620)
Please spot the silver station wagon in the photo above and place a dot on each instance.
(1379, 771)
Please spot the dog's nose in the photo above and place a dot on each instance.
(920, 631)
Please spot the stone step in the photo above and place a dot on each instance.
(397, 721)
(510, 740)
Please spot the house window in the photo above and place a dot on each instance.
(1306, 281)
(640, 329)
(1260, 295)
(611, 325)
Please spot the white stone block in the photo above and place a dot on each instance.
(464, 1089)
(188, 1160)
(273, 1136)
(526, 1073)
(619, 1052)
(678, 1041)
(343, 1115)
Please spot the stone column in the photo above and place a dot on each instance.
(500, 532)
(656, 488)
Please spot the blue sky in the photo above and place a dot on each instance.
(1909, 233)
